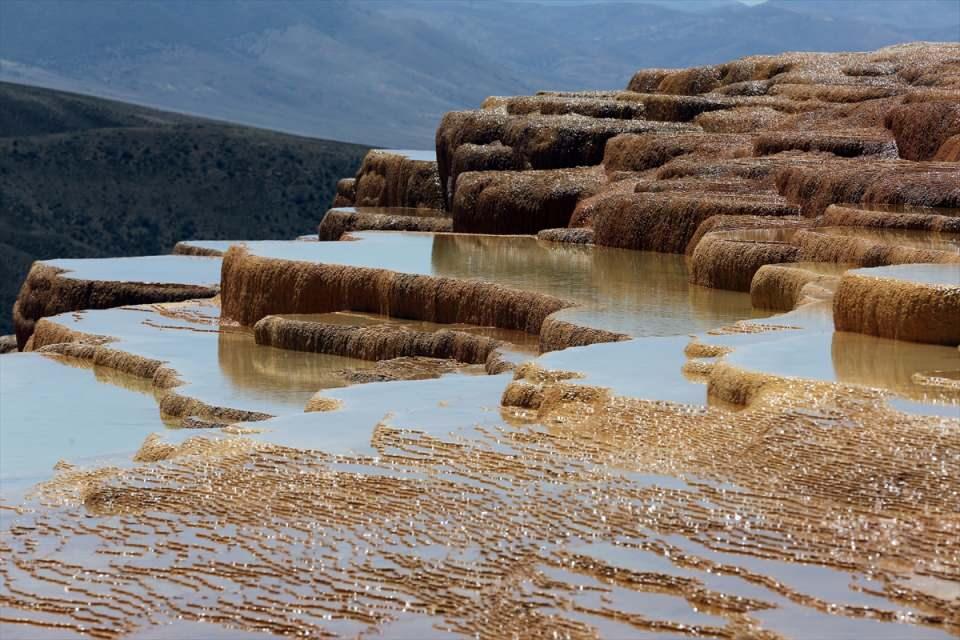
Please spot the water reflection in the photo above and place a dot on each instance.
(806, 346)
(103, 419)
(224, 369)
(638, 292)
(271, 374)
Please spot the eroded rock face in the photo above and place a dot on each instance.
(522, 202)
(822, 129)
(388, 178)
(374, 343)
(49, 290)
(8, 344)
(919, 303)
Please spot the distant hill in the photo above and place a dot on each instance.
(384, 72)
(86, 177)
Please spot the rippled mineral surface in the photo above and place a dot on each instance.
(690, 465)
(626, 503)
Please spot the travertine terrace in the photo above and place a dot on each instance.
(676, 360)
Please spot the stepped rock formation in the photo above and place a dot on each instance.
(49, 290)
(392, 179)
(338, 221)
(253, 287)
(616, 466)
(373, 343)
(920, 303)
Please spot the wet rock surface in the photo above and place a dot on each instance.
(8, 343)
(597, 432)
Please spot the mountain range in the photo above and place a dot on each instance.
(382, 73)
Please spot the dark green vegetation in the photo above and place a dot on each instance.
(84, 177)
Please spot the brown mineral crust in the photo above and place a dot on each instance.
(48, 291)
(648, 80)
(783, 287)
(740, 119)
(814, 188)
(555, 142)
(898, 309)
(816, 246)
(388, 179)
(843, 143)
(537, 141)
(692, 81)
(826, 118)
(587, 207)
(545, 104)
(639, 152)
(483, 157)
(403, 368)
(567, 235)
(922, 128)
(834, 93)
(186, 249)
(724, 262)
(872, 69)
(760, 170)
(498, 362)
(556, 334)
(949, 151)
(666, 222)
(520, 202)
(318, 402)
(834, 493)
(254, 287)
(336, 222)
(896, 68)
(733, 223)
(373, 343)
(346, 195)
(919, 219)
(179, 406)
(478, 127)
(676, 108)
(934, 184)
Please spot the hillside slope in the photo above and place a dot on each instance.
(90, 177)
(385, 72)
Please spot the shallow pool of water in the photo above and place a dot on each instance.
(173, 269)
(222, 368)
(803, 344)
(947, 275)
(635, 292)
(54, 409)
